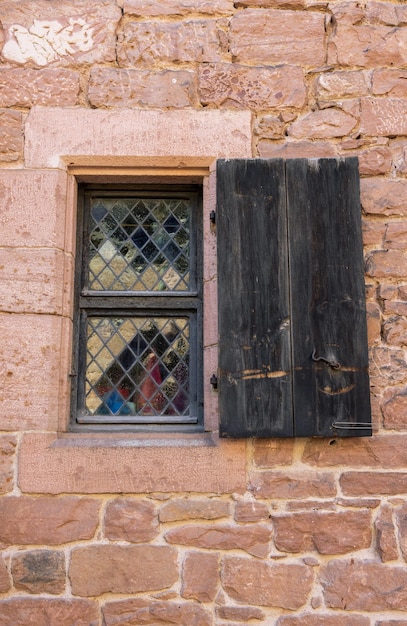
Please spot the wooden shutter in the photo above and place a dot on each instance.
(292, 324)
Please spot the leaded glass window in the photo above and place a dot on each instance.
(138, 304)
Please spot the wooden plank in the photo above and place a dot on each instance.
(254, 329)
(329, 338)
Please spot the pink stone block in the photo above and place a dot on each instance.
(30, 371)
(33, 208)
(32, 280)
(129, 132)
(118, 465)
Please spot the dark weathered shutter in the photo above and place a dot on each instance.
(292, 324)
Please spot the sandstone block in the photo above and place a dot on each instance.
(269, 127)
(385, 13)
(384, 196)
(253, 539)
(186, 41)
(39, 571)
(200, 576)
(375, 161)
(342, 84)
(266, 584)
(239, 613)
(384, 263)
(394, 408)
(8, 445)
(271, 4)
(389, 82)
(323, 620)
(373, 483)
(52, 521)
(327, 533)
(348, 12)
(275, 484)
(251, 511)
(268, 452)
(131, 520)
(296, 150)
(4, 578)
(395, 331)
(29, 390)
(396, 235)
(134, 88)
(154, 8)
(368, 46)
(386, 542)
(32, 281)
(37, 33)
(40, 611)
(364, 585)
(401, 518)
(25, 87)
(11, 136)
(387, 363)
(373, 322)
(325, 124)
(122, 569)
(183, 509)
(383, 116)
(140, 611)
(236, 86)
(203, 133)
(31, 208)
(384, 451)
(268, 36)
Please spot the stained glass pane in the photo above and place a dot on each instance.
(139, 244)
(138, 366)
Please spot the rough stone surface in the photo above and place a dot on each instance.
(395, 331)
(5, 583)
(377, 452)
(290, 484)
(323, 620)
(7, 451)
(270, 452)
(253, 539)
(383, 196)
(236, 86)
(396, 235)
(46, 520)
(39, 571)
(251, 511)
(383, 116)
(11, 136)
(389, 82)
(240, 614)
(327, 533)
(368, 46)
(45, 611)
(266, 584)
(334, 85)
(122, 569)
(385, 535)
(131, 520)
(385, 13)
(192, 40)
(138, 611)
(38, 33)
(111, 87)
(364, 585)
(27, 87)
(296, 150)
(177, 510)
(324, 124)
(200, 576)
(395, 409)
(268, 36)
(373, 483)
(384, 263)
(151, 8)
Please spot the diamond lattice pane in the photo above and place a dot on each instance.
(139, 244)
(137, 366)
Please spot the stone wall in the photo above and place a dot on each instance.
(104, 530)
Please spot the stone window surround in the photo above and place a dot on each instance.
(134, 146)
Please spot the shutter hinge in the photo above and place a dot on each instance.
(212, 217)
(214, 381)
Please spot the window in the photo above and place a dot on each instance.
(293, 355)
(138, 308)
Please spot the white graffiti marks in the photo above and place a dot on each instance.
(46, 41)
